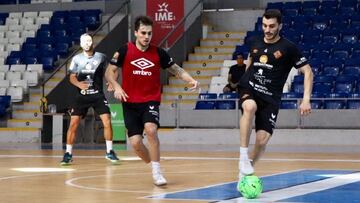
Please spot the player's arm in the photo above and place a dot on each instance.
(185, 76)
(111, 75)
(248, 62)
(80, 84)
(73, 68)
(305, 106)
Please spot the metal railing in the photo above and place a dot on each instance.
(69, 58)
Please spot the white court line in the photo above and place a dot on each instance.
(302, 189)
(131, 158)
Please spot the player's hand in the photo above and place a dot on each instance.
(194, 85)
(109, 87)
(83, 85)
(305, 108)
(120, 95)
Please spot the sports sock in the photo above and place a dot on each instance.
(108, 145)
(69, 148)
(244, 153)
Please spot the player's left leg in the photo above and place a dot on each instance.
(108, 135)
(154, 150)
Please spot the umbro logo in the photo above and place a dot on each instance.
(142, 63)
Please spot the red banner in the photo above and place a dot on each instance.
(166, 15)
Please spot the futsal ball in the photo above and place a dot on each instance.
(250, 186)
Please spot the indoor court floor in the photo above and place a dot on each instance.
(30, 174)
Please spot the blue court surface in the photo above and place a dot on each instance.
(320, 186)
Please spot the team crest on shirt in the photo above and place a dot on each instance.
(277, 54)
(255, 51)
(88, 66)
(95, 62)
(263, 59)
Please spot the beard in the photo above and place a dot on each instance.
(271, 36)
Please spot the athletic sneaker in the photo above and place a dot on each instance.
(67, 159)
(111, 156)
(245, 167)
(158, 178)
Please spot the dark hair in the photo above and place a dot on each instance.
(144, 20)
(273, 13)
(239, 54)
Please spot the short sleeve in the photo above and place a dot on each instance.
(165, 60)
(120, 60)
(73, 68)
(297, 58)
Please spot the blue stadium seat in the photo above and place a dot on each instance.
(353, 104)
(328, 8)
(31, 60)
(230, 95)
(316, 104)
(204, 105)
(297, 87)
(60, 32)
(324, 79)
(10, 60)
(331, 70)
(289, 95)
(355, 20)
(5, 100)
(339, 21)
(318, 95)
(204, 96)
(343, 87)
(48, 63)
(337, 95)
(352, 70)
(320, 22)
(322, 88)
(289, 104)
(91, 22)
(334, 104)
(298, 79)
(225, 104)
(62, 49)
(45, 47)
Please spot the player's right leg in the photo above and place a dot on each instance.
(70, 138)
(249, 108)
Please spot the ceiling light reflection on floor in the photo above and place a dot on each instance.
(41, 170)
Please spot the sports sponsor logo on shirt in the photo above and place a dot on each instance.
(263, 59)
(302, 60)
(142, 64)
(277, 54)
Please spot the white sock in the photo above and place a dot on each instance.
(108, 145)
(155, 166)
(69, 148)
(244, 153)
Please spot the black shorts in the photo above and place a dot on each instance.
(137, 114)
(97, 101)
(266, 113)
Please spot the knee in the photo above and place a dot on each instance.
(136, 144)
(249, 107)
(107, 123)
(151, 131)
(74, 125)
(263, 139)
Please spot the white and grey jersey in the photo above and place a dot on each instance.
(90, 69)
